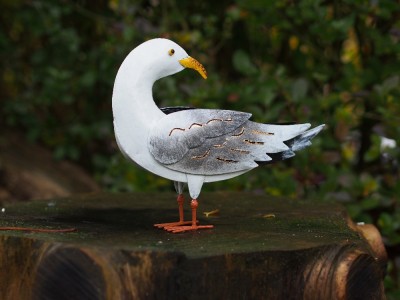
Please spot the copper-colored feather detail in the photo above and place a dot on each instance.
(230, 161)
(262, 132)
(240, 150)
(220, 120)
(196, 124)
(214, 120)
(253, 142)
(220, 145)
(202, 156)
(180, 129)
(200, 125)
(239, 134)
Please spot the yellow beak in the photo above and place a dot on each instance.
(191, 63)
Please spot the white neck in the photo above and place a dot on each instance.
(132, 95)
(134, 109)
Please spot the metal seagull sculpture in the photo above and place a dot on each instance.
(190, 146)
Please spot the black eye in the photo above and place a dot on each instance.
(171, 52)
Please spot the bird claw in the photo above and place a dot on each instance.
(177, 229)
(182, 226)
(173, 224)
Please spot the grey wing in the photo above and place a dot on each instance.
(177, 133)
(240, 150)
(238, 146)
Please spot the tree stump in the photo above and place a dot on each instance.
(260, 248)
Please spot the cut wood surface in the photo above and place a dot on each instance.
(260, 248)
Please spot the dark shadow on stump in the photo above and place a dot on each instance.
(68, 274)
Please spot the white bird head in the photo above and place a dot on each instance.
(164, 58)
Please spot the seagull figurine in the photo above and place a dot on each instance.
(188, 145)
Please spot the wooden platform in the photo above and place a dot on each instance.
(260, 248)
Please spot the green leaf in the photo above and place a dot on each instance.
(370, 203)
(243, 64)
(391, 83)
(299, 89)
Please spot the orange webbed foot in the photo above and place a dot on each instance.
(178, 229)
(181, 225)
(172, 224)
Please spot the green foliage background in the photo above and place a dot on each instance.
(332, 62)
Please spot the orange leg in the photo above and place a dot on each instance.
(180, 201)
(193, 226)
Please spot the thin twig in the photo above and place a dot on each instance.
(37, 229)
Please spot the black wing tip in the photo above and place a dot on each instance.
(172, 109)
(297, 143)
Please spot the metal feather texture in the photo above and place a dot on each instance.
(175, 134)
(295, 144)
(210, 142)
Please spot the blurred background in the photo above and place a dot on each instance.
(332, 62)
